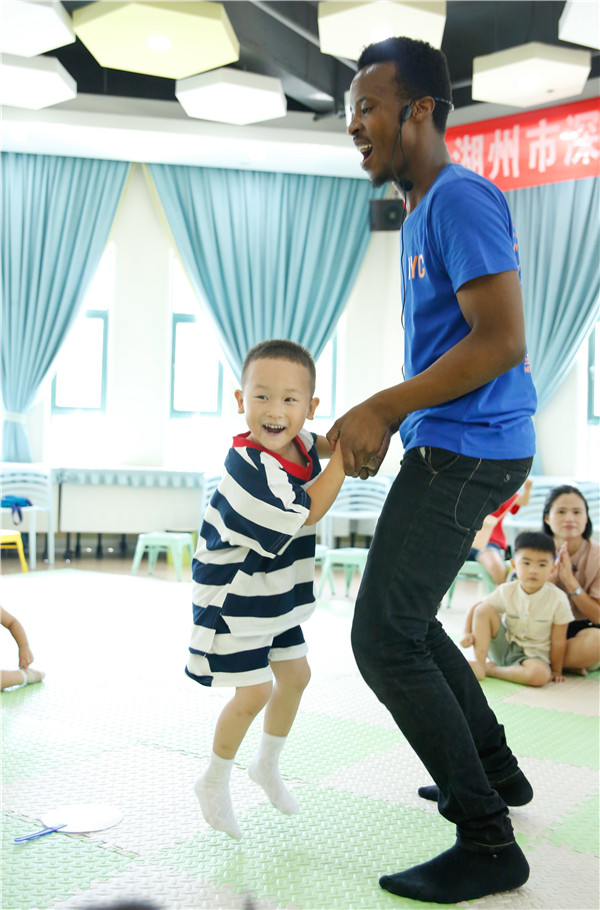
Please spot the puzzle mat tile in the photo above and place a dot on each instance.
(558, 788)
(349, 698)
(392, 775)
(574, 696)
(161, 726)
(329, 856)
(395, 774)
(35, 872)
(153, 789)
(579, 829)
(561, 737)
(165, 888)
(317, 744)
(559, 880)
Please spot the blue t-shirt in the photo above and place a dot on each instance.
(462, 229)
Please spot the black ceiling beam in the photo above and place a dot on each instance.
(272, 48)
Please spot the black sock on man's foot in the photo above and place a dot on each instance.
(515, 790)
(461, 875)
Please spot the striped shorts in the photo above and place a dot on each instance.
(244, 661)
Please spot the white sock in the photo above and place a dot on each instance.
(212, 790)
(264, 770)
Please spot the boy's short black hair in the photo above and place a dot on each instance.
(282, 349)
(560, 491)
(534, 540)
(420, 70)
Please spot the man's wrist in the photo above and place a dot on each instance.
(386, 408)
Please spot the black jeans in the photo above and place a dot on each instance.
(423, 536)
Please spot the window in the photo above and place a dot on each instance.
(79, 383)
(203, 413)
(196, 368)
(197, 372)
(326, 380)
(593, 376)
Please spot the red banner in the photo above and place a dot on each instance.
(533, 148)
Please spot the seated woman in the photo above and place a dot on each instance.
(577, 572)
(492, 554)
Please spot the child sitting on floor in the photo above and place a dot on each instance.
(254, 571)
(25, 674)
(523, 623)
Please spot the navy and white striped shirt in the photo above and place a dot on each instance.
(253, 571)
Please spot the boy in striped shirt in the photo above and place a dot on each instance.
(253, 571)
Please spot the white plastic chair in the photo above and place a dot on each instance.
(358, 501)
(211, 482)
(35, 483)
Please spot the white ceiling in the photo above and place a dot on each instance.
(129, 129)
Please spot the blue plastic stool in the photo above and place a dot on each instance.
(352, 559)
(156, 542)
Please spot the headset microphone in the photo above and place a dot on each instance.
(405, 113)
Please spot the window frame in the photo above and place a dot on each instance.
(593, 344)
(61, 409)
(334, 346)
(175, 413)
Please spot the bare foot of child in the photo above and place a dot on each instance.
(490, 668)
(478, 669)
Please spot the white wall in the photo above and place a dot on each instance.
(139, 371)
(136, 429)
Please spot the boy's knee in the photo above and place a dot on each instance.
(538, 674)
(489, 614)
(484, 609)
(294, 675)
(252, 699)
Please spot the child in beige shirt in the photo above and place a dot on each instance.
(523, 623)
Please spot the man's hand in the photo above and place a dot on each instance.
(364, 437)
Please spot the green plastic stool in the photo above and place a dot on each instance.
(156, 542)
(472, 571)
(353, 559)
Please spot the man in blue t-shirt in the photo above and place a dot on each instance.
(465, 416)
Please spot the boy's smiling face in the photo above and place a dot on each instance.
(533, 568)
(276, 399)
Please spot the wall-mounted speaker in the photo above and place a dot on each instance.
(386, 214)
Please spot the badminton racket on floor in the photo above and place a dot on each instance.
(76, 818)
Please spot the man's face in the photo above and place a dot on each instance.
(376, 106)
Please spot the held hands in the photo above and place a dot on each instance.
(563, 570)
(363, 436)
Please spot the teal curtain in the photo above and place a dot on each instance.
(274, 255)
(557, 228)
(56, 217)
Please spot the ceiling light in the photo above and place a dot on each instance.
(159, 43)
(530, 74)
(579, 23)
(30, 28)
(127, 36)
(34, 84)
(231, 96)
(346, 28)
